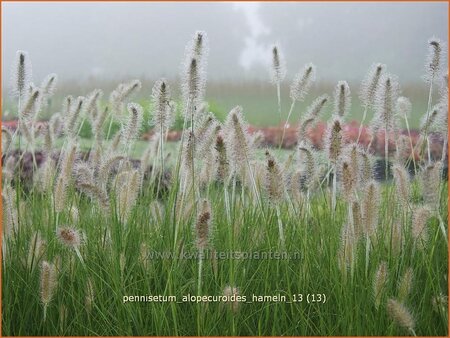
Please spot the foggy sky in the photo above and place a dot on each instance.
(147, 40)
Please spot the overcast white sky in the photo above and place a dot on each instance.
(147, 40)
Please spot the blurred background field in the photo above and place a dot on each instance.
(257, 98)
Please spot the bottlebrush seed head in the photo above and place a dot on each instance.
(48, 282)
(274, 181)
(237, 141)
(131, 129)
(48, 85)
(278, 69)
(357, 218)
(129, 89)
(342, 99)
(430, 180)
(32, 105)
(90, 295)
(306, 161)
(203, 225)
(405, 285)
(68, 161)
(60, 195)
(419, 229)
(349, 180)
(403, 107)
(428, 121)
(317, 106)
(98, 124)
(200, 44)
(346, 253)
(92, 102)
(370, 84)
(162, 111)
(70, 120)
(435, 59)
(69, 237)
(223, 166)
(302, 132)
(204, 127)
(302, 82)
(6, 139)
(385, 101)
(188, 155)
(379, 283)
(352, 154)
(403, 151)
(193, 86)
(21, 74)
(402, 185)
(370, 207)
(67, 105)
(334, 140)
(396, 238)
(122, 93)
(96, 193)
(194, 71)
(205, 142)
(400, 314)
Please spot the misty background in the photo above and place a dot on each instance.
(113, 40)
(97, 44)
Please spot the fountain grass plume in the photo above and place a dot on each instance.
(405, 284)
(48, 283)
(402, 186)
(97, 193)
(334, 146)
(347, 251)
(385, 103)
(71, 119)
(435, 59)
(275, 190)
(223, 165)
(312, 114)
(91, 106)
(385, 114)
(368, 89)
(379, 283)
(370, 83)
(278, 66)
(21, 74)
(303, 128)
(31, 107)
(348, 180)
(334, 140)
(7, 138)
(131, 129)
(237, 141)
(48, 86)
(419, 230)
(274, 180)
(299, 89)
(370, 208)
(430, 178)
(302, 82)
(342, 99)
(162, 118)
(306, 160)
(194, 69)
(401, 315)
